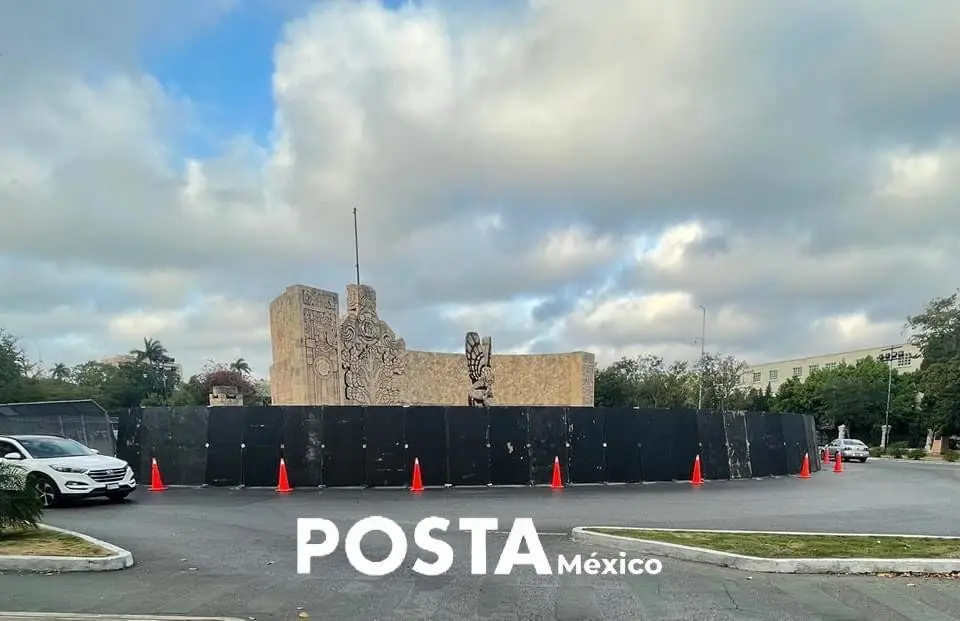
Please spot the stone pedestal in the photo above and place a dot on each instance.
(225, 395)
(884, 435)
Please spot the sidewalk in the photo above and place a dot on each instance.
(925, 460)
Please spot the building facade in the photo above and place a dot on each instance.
(902, 358)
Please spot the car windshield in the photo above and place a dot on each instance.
(45, 448)
(855, 443)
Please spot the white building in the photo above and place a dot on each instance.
(904, 357)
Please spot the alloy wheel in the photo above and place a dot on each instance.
(47, 494)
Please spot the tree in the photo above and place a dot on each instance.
(14, 368)
(240, 366)
(721, 377)
(936, 331)
(60, 372)
(153, 352)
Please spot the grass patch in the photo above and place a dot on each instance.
(801, 546)
(43, 542)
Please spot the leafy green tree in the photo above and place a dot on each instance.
(936, 331)
(14, 368)
(240, 366)
(20, 505)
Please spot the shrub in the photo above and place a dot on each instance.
(876, 451)
(896, 452)
(951, 455)
(894, 447)
(917, 453)
(20, 505)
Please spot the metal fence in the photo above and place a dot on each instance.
(84, 421)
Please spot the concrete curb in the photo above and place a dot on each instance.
(905, 460)
(768, 565)
(69, 616)
(120, 559)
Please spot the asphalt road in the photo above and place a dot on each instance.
(233, 552)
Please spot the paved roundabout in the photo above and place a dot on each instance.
(216, 552)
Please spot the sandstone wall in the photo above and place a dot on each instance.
(531, 379)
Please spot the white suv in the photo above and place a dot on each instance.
(60, 468)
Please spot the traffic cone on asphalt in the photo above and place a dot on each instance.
(838, 463)
(156, 483)
(825, 456)
(417, 484)
(697, 479)
(805, 468)
(283, 483)
(556, 482)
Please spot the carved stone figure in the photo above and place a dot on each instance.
(479, 369)
(372, 356)
(321, 314)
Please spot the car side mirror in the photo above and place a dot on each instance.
(95, 451)
(13, 456)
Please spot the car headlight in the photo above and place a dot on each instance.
(69, 469)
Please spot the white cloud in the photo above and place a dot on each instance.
(571, 175)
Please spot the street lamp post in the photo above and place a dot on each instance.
(703, 338)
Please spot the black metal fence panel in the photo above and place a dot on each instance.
(760, 460)
(776, 447)
(340, 446)
(654, 432)
(302, 445)
(795, 440)
(386, 452)
(586, 453)
(344, 447)
(548, 442)
(621, 431)
(810, 431)
(469, 451)
(713, 445)
(509, 450)
(427, 441)
(738, 452)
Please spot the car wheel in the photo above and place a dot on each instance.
(48, 492)
(118, 496)
(863, 461)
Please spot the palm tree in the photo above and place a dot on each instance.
(60, 371)
(153, 352)
(240, 366)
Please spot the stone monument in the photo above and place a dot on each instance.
(479, 370)
(371, 356)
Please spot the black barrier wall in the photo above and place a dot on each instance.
(459, 446)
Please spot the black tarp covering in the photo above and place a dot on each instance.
(509, 453)
(760, 460)
(738, 454)
(686, 443)
(262, 437)
(130, 442)
(810, 431)
(547, 443)
(469, 453)
(621, 431)
(713, 445)
(427, 441)
(176, 437)
(654, 432)
(795, 438)
(340, 446)
(776, 447)
(302, 442)
(344, 450)
(386, 454)
(586, 452)
(225, 451)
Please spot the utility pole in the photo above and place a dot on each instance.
(703, 339)
(888, 357)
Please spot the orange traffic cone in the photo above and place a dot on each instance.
(825, 455)
(697, 478)
(283, 484)
(805, 468)
(838, 463)
(557, 481)
(417, 485)
(156, 483)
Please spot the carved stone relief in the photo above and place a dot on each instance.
(479, 369)
(588, 384)
(320, 319)
(372, 356)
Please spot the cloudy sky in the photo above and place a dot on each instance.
(558, 174)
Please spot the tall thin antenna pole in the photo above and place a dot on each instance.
(356, 247)
(703, 346)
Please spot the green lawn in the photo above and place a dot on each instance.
(43, 542)
(801, 546)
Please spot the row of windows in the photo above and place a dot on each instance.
(774, 374)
